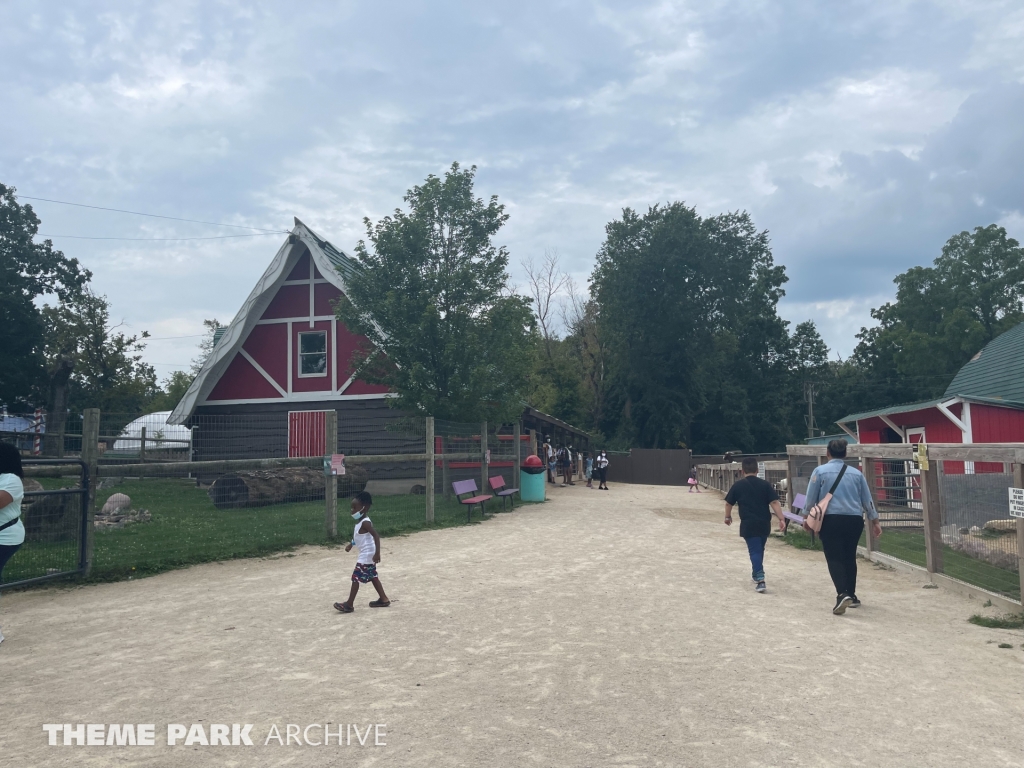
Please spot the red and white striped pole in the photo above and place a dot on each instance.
(37, 426)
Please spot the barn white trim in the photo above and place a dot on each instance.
(253, 308)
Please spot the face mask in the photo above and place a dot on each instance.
(357, 515)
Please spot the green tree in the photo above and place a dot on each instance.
(206, 344)
(28, 270)
(444, 330)
(944, 314)
(693, 343)
(108, 371)
(174, 388)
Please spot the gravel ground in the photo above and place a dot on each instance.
(613, 628)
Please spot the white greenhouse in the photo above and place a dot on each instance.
(160, 436)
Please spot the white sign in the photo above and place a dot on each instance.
(1017, 502)
(760, 469)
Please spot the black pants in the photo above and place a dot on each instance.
(6, 553)
(839, 536)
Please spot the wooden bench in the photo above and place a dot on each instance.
(461, 487)
(497, 484)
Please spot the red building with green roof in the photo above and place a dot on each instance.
(983, 404)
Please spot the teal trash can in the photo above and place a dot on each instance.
(531, 479)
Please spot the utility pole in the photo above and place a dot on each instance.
(809, 399)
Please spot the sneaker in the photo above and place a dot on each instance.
(761, 587)
(756, 577)
(854, 602)
(842, 603)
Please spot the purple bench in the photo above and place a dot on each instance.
(497, 484)
(469, 487)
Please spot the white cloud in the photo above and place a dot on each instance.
(861, 135)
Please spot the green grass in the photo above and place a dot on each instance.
(801, 539)
(1013, 621)
(187, 529)
(909, 546)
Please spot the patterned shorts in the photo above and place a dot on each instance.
(365, 572)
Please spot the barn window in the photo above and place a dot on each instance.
(313, 353)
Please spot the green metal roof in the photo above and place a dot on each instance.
(994, 376)
(909, 407)
(997, 372)
(905, 408)
(345, 264)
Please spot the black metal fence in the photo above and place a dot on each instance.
(54, 513)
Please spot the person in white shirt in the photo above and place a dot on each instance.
(366, 539)
(12, 491)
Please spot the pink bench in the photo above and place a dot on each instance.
(497, 484)
(469, 487)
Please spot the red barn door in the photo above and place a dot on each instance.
(306, 434)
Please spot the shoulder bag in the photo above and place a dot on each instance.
(816, 514)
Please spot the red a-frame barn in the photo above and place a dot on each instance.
(282, 362)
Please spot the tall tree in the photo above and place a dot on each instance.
(28, 270)
(944, 314)
(687, 309)
(108, 370)
(432, 296)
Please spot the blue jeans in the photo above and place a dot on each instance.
(755, 546)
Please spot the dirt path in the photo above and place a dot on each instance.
(600, 629)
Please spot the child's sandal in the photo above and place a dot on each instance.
(379, 604)
(344, 607)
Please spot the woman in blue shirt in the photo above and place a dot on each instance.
(844, 522)
(12, 530)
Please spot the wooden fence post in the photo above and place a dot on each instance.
(331, 481)
(142, 446)
(869, 466)
(483, 457)
(1018, 482)
(517, 438)
(91, 456)
(430, 469)
(932, 513)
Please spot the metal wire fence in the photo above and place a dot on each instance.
(241, 485)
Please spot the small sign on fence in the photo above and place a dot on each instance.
(761, 470)
(920, 453)
(487, 457)
(1017, 502)
(334, 464)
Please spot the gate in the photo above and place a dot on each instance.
(56, 526)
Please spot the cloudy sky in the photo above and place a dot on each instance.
(860, 134)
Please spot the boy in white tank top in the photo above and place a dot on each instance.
(364, 536)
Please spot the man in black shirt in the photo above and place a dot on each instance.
(757, 500)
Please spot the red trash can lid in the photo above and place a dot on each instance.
(532, 461)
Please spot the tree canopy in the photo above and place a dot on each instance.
(432, 296)
(28, 270)
(944, 314)
(695, 348)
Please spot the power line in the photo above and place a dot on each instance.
(163, 239)
(152, 215)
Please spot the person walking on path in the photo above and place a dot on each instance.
(549, 459)
(589, 472)
(693, 480)
(757, 500)
(602, 471)
(12, 491)
(364, 536)
(843, 522)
